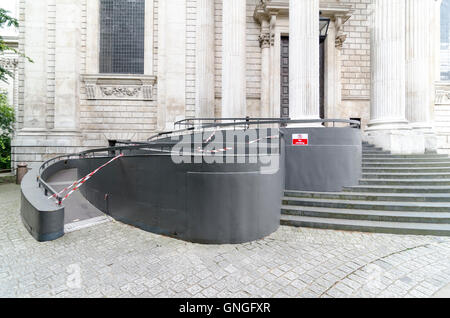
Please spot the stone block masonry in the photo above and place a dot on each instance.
(356, 51)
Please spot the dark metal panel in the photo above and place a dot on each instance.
(233, 207)
(214, 203)
(284, 77)
(205, 203)
(43, 219)
(331, 161)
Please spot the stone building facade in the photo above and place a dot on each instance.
(125, 69)
(10, 60)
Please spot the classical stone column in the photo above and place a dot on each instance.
(304, 59)
(67, 65)
(339, 42)
(171, 63)
(437, 39)
(266, 40)
(388, 127)
(35, 74)
(92, 37)
(418, 63)
(204, 95)
(388, 65)
(274, 68)
(234, 59)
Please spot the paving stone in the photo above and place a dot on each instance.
(117, 260)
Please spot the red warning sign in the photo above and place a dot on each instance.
(300, 139)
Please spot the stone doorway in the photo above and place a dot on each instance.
(284, 78)
(284, 98)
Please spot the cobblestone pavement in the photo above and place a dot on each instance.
(116, 260)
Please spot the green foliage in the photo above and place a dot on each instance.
(5, 153)
(6, 112)
(6, 129)
(6, 115)
(7, 21)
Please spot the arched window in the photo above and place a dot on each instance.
(445, 40)
(122, 28)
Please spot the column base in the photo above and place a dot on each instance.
(395, 124)
(317, 124)
(402, 142)
(38, 145)
(431, 140)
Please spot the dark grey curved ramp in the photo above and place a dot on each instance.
(331, 160)
(205, 203)
(42, 217)
(77, 208)
(214, 203)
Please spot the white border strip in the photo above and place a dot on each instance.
(75, 226)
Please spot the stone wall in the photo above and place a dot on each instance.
(355, 67)
(253, 59)
(190, 56)
(97, 120)
(356, 52)
(101, 119)
(442, 117)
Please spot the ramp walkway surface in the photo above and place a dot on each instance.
(77, 208)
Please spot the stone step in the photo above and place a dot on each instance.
(375, 152)
(367, 226)
(402, 194)
(406, 182)
(413, 170)
(404, 160)
(406, 164)
(368, 196)
(405, 175)
(364, 147)
(398, 189)
(370, 215)
(7, 177)
(390, 156)
(368, 205)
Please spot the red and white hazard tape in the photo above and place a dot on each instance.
(211, 137)
(199, 149)
(77, 184)
(270, 137)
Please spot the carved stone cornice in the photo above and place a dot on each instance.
(262, 16)
(9, 63)
(119, 87)
(443, 93)
(266, 40)
(327, 8)
(339, 13)
(340, 39)
(339, 21)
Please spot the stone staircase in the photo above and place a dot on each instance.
(403, 194)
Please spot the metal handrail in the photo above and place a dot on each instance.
(50, 191)
(247, 122)
(190, 121)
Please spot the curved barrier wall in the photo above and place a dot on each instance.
(220, 203)
(204, 203)
(330, 161)
(43, 219)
